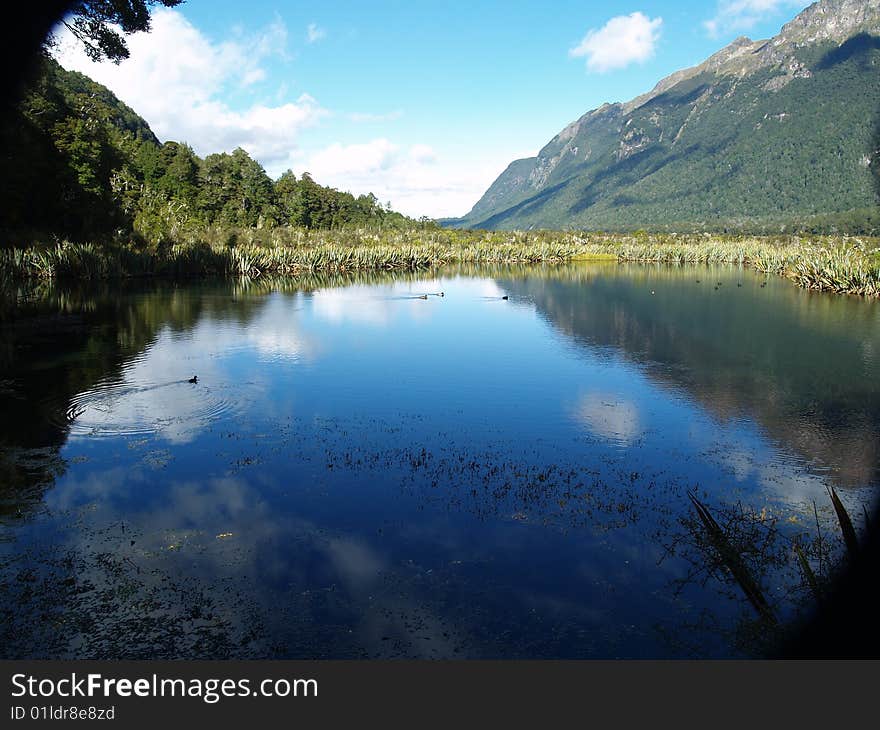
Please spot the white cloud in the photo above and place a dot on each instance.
(622, 41)
(182, 83)
(342, 160)
(416, 179)
(738, 15)
(314, 33)
(422, 153)
(368, 118)
(253, 76)
(176, 78)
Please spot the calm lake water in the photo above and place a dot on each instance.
(360, 472)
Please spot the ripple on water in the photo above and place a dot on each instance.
(176, 409)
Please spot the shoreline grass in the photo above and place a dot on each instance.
(836, 264)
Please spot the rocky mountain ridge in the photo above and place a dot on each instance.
(744, 75)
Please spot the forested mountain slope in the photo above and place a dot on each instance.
(762, 135)
(78, 164)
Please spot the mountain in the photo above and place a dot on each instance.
(763, 135)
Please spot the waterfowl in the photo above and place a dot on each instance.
(505, 297)
(423, 296)
(194, 379)
(763, 284)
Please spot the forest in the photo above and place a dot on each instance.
(81, 166)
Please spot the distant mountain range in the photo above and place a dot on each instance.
(764, 135)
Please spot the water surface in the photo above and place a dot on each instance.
(363, 472)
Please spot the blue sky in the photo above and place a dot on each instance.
(422, 103)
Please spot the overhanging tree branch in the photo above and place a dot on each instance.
(101, 25)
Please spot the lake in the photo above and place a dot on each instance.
(500, 471)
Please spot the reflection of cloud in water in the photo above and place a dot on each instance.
(357, 565)
(783, 480)
(793, 487)
(152, 397)
(372, 305)
(740, 462)
(275, 332)
(382, 305)
(151, 394)
(352, 304)
(246, 563)
(283, 343)
(489, 288)
(609, 418)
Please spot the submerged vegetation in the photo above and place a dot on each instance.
(749, 545)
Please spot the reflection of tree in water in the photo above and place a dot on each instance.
(57, 342)
(65, 341)
(795, 362)
(777, 571)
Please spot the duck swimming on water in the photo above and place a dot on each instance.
(505, 297)
(194, 379)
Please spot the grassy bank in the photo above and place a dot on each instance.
(843, 265)
(837, 264)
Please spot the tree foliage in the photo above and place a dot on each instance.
(101, 25)
(79, 164)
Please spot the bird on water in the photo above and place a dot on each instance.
(194, 379)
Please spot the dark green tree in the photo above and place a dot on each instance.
(235, 190)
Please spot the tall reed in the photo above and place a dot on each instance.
(836, 264)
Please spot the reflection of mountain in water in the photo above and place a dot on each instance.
(804, 366)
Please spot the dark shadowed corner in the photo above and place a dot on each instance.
(21, 41)
(846, 627)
